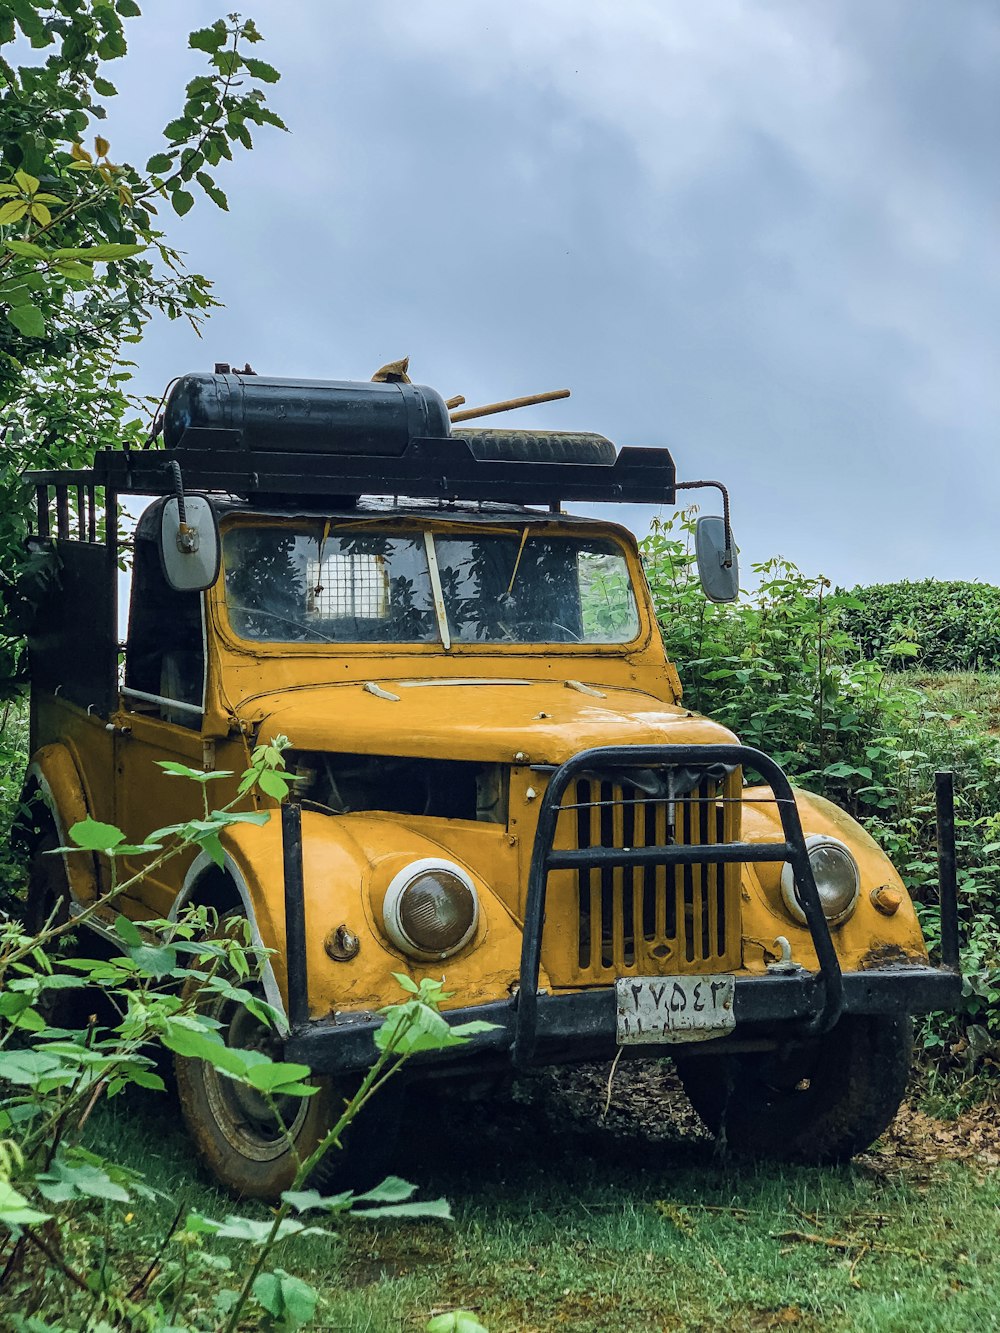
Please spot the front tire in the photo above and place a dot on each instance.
(814, 1102)
(242, 1144)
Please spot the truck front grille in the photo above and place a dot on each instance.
(650, 920)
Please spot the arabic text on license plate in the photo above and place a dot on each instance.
(674, 1009)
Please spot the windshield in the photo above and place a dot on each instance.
(312, 585)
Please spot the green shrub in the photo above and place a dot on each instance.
(931, 625)
(781, 670)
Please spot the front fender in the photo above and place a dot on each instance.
(867, 938)
(54, 774)
(347, 861)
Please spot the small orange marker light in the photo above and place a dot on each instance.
(887, 900)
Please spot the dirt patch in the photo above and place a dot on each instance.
(647, 1101)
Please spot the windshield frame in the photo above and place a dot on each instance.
(428, 528)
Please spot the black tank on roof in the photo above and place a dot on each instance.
(263, 413)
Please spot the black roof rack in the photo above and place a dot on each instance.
(267, 438)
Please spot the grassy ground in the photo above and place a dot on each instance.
(966, 692)
(565, 1221)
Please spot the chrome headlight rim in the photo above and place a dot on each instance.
(815, 842)
(400, 883)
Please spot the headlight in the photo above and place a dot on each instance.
(431, 909)
(837, 879)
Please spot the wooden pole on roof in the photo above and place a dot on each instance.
(489, 409)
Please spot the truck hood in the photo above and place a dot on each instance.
(487, 721)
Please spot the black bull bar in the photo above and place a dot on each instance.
(582, 1024)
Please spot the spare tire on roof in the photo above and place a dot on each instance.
(538, 446)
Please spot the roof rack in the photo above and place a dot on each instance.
(261, 437)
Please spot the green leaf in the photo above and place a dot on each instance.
(154, 961)
(261, 70)
(176, 770)
(159, 163)
(267, 1293)
(84, 1180)
(391, 1190)
(128, 932)
(212, 847)
(179, 130)
(435, 1208)
(248, 1228)
(187, 1038)
(92, 253)
(128, 9)
(208, 39)
(90, 835)
(27, 319)
(454, 1321)
(302, 1201)
(273, 784)
(280, 1077)
(13, 212)
(15, 1210)
(27, 249)
(299, 1300)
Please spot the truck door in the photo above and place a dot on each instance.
(162, 717)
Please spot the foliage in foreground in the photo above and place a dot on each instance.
(63, 1262)
(781, 670)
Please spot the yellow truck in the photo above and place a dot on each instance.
(495, 778)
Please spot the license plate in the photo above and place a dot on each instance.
(674, 1009)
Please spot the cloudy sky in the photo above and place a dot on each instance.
(759, 231)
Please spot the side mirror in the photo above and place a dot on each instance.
(718, 566)
(189, 543)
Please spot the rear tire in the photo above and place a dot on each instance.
(819, 1102)
(238, 1138)
(48, 887)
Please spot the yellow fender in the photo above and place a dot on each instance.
(345, 861)
(53, 771)
(868, 938)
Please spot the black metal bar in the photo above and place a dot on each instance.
(944, 794)
(581, 1024)
(81, 517)
(91, 514)
(295, 914)
(430, 468)
(684, 854)
(42, 504)
(607, 759)
(62, 511)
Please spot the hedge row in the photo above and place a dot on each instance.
(930, 625)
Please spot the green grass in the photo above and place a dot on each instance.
(962, 692)
(562, 1223)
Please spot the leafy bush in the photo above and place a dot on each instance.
(930, 625)
(64, 1262)
(780, 668)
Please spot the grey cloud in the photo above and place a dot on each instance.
(763, 233)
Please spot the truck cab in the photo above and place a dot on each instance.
(495, 779)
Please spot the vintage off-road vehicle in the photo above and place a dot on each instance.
(495, 777)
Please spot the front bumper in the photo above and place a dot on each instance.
(581, 1025)
(535, 1028)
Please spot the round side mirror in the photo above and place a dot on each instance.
(718, 566)
(189, 544)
